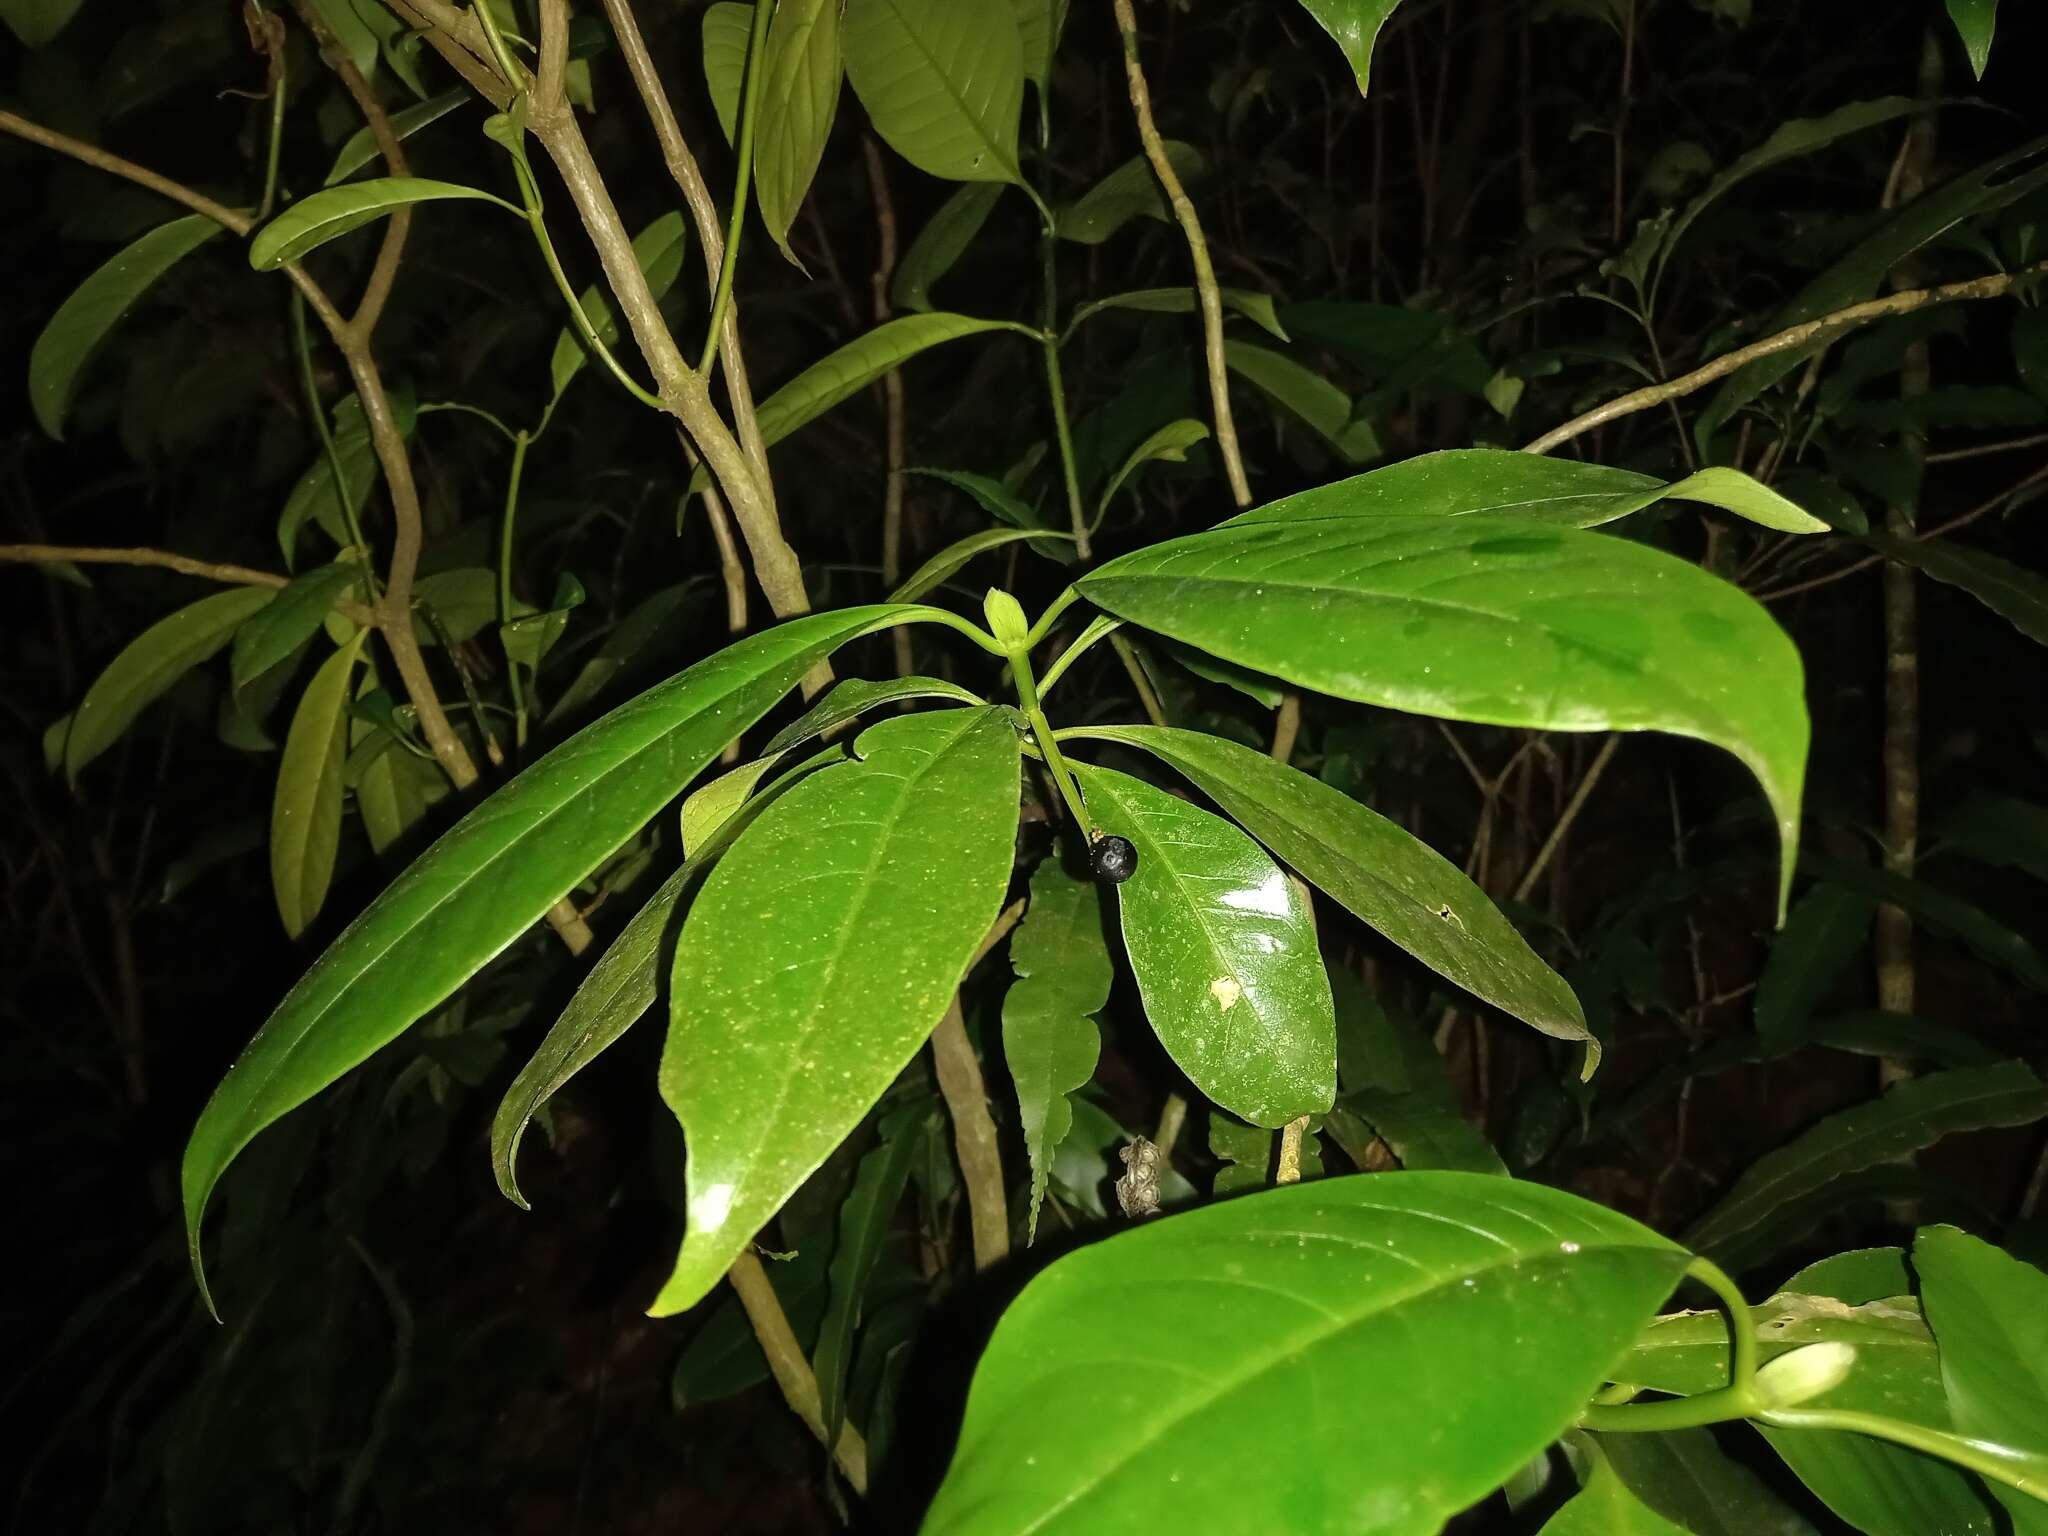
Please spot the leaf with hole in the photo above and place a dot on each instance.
(305, 812)
(336, 211)
(942, 81)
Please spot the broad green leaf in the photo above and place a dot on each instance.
(528, 638)
(1387, 878)
(1128, 192)
(942, 81)
(1050, 1038)
(83, 322)
(1003, 503)
(948, 561)
(289, 620)
(463, 602)
(1254, 306)
(361, 147)
(1039, 24)
(1685, 1475)
(641, 641)
(2014, 593)
(1604, 1504)
(1170, 442)
(1260, 689)
(1459, 481)
(336, 211)
(1396, 1086)
(493, 875)
(1230, 1343)
(149, 665)
(1497, 620)
(1353, 24)
(853, 697)
(1975, 22)
(37, 22)
(394, 787)
(711, 805)
(818, 958)
(1912, 1115)
(305, 813)
(863, 1225)
(800, 74)
(728, 32)
(1827, 929)
(1939, 912)
(659, 249)
(351, 32)
(1874, 1032)
(941, 243)
(1314, 400)
(1224, 948)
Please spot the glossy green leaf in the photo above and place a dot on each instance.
(800, 74)
(37, 22)
(289, 620)
(1260, 689)
(1314, 400)
(1171, 442)
(942, 81)
(351, 33)
(313, 498)
(1829, 928)
(728, 32)
(999, 501)
(1382, 874)
(659, 249)
(1254, 306)
(950, 560)
(712, 804)
(305, 813)
(1604, 1504)
(82, 323)
(463, 602)
(941, 243)
(1353, 24)
(1128, 192)
(1230, 1343)
(528, 639)
(150, 664)
(1939, 912)
(1912, 1115)
(863, 1225)
(336, 211)
(2014, 593)
(818, 958)
(1224, 948)
(640, 642)
(394, 787)
(1039, 24)
(1686, 1476)
(1975, 22)
(494, 874)
(1498, 620)
(1050, 1038)
(361, 147)
(853, 697)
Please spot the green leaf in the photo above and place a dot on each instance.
(863, 1225)
(528, 638)
(1039, 24)
(1686, 1476)
(1171, 442)
(305, 813)
(1050, 1038)
(1828, 929)
(361, 147)
(37, 22)
(336, 211)
(659, 250)
(1875, 1032)
(149, 665)
(1320, 405)
(1497, 620)
(728, 33)
(2000, 829)
(941, 243)
(1128, 192)
(724, 1358)
(394, 786)
(2013, 592)
(1476, 1315)
(1975, 22)
(1604, 1504)
(1390, 880)
(289, 620)
(1914, 1114)
(794, 1006)
(1224, 948)
(313, 498)
(942, 566)
(463, 601)
(1000, 502)
(1398, 1087)
(800, 74)
(853, 697)
(639, 642)
(942, 81)
(711, 805)
(494, 874)
(1353, 24)
(1260, 689)
(1254, 306)
(1940, 912)
(351, 32)
(83, 322)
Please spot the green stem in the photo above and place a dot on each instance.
(1056, 389)
(1741, 1327)
(276, 135)
(2001, 1464)
(953, 621)
(1099, 628)
(1043, 627)
(506, 535)
(303, 346)
(494, 40)
(430, 406)
(1716, 1407)
(743, 179)
(1048, 744)
(584, 330)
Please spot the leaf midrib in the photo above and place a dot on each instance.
(981, 132)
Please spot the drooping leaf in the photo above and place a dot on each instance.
(948, 561)
(1686, 1483)
(149, 665)
(794, 1006)
(853, 697)
(1050, 1038)
(1497, 620)
(1229, 1341)
(863, 1226)
(1128, 192)
(336, 211)
(942, 81)
(1353, 24)
(642, 639)
(1913, 1114)
(1386, 877)
(1254, 306)
(941, 243)
(361, 147)
(528, 638)
(394, 787)
(800, 74)
(289, 620)
(1975, 21)
(1938, 911)
(1039, 24)
(495, 873)
(1823, 933)
(1170, 442)
(305, 813)
(659, 249)
(1224, 949)
(728, 31)
(2014, 593)
(1003, 503)
(1314, 400)
(83, 322)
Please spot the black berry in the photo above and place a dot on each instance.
(1113, 859)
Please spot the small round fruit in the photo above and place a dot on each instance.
(1113, 859)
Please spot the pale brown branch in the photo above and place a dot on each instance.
(965, 1091)
(1289, 1169)
(892, 391)
(163, 559)
(790, 1368)
(1564, 822)
(92, 155)
(549, 97)
(1789, 339)
(1980, 450)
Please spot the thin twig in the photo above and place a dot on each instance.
(2009, 445)
(1286, 727)
(1289, 1169)
(965, 1091)
(127, 170)
(892, 393)
(791, 1369)
(1572, 808)
(185, 565)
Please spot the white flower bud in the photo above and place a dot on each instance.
(1800, 1375)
